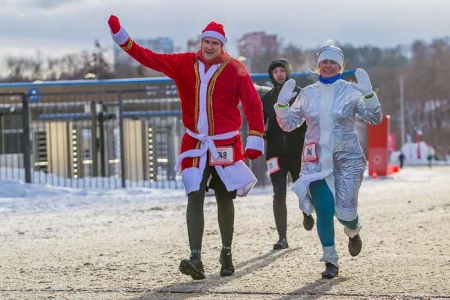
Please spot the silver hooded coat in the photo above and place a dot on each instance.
(332, 150)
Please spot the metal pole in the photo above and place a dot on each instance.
(26, 144)
(402, 112)
(101, 129)
(94, 141)
(122, 143)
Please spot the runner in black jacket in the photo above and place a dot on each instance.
(283, 151)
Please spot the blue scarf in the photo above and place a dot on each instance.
(331, 79)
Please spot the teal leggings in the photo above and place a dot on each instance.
(323, 202)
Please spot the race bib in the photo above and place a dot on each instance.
(272, 165)
(225, 156)
(310, 153)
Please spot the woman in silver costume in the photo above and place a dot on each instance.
(333, 161)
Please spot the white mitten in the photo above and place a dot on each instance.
(287, 92)
(363, 85)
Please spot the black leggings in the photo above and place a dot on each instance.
(279, 183)
(225, 211)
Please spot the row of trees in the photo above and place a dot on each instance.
(68, 67)
(424, 67)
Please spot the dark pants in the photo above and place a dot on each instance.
(287, 164)
(225, 210)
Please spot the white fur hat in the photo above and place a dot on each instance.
(330, 52)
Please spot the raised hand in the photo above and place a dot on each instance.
(287, 92)
(363, 82)
(252, 154)
(114, 24)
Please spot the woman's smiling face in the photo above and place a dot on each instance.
(329, 68)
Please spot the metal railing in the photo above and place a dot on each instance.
(100, 133)
(99, 139)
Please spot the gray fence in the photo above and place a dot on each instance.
(94, 139)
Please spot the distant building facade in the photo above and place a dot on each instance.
(257, 44)
(193, 45)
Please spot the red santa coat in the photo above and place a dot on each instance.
(210, 108)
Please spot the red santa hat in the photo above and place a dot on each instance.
(214, 30)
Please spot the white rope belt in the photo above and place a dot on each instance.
(207, 143)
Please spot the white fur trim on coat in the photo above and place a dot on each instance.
(216, 35)
(120, 37)
(255, 142)
(235, 177)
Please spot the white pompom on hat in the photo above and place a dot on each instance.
(215, 30)
(330, 52)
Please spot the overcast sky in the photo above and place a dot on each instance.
(57, 27)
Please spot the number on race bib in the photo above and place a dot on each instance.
(310, 153)
(225, 156)
(272, 165)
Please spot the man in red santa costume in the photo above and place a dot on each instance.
(211, 85)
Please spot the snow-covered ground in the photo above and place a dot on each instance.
(17, 196)
(60, 243)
